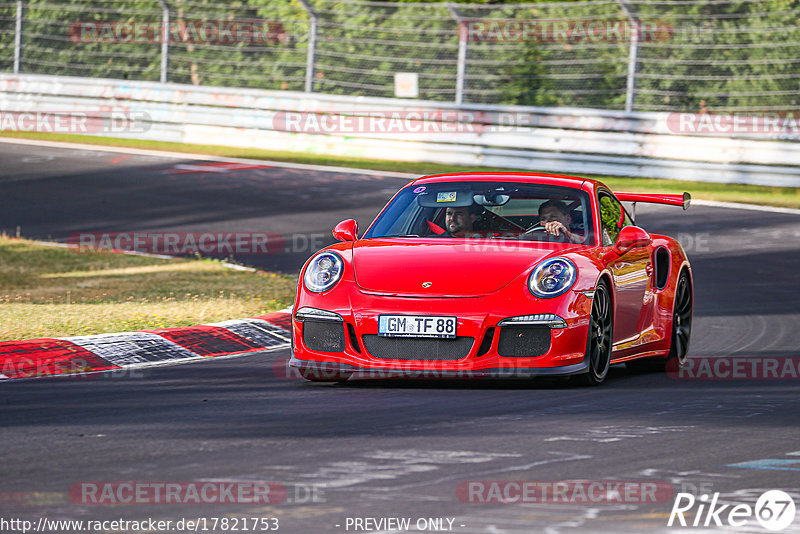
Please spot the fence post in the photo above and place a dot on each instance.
(633, 56)
(461, 66)
(312, 45)
(18, 38)
(165, 35)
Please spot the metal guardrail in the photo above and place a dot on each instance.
(568, 140)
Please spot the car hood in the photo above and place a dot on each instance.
(453, 269)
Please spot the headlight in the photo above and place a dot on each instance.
(552, 278)
(323, 272)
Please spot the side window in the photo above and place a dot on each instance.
(610, 211)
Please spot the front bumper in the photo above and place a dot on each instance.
(359, 312)
(333, 369)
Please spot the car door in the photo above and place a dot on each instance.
(630, 272)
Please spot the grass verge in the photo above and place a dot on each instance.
(52, 292)
(787, 197)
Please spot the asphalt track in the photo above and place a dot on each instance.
(375, 448)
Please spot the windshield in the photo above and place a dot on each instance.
(487, 210)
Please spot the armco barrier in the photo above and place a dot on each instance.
(569, 140)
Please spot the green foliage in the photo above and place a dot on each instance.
(737, 55)
(7, 23)
(706, 55)
(51, 44)
(610, 212)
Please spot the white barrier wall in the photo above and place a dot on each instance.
(566, 140)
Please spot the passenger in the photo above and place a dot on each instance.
(556, 220)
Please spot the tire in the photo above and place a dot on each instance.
(600, 338)
(681, 324)
(681, 332)
(315, 375)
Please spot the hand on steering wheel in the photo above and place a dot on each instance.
(557, 229)
(539, 227)
(535, 228)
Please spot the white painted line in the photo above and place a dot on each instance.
(110, 336)
(225, 324)
(322, 168)
(202, 168)
(204, 157)
(795, 453)
(743, 206)
(127, 252)
(233, 266)
(236, 267)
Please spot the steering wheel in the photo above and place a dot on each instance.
(539, 227)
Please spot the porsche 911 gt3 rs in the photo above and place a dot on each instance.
(500, 274)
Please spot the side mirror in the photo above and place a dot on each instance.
(631, 237)
(346, 230)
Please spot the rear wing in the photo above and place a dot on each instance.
(674, 200)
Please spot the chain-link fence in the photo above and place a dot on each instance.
(612, 54)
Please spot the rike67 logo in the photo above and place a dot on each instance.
(774, 510)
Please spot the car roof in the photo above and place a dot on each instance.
(563, 180)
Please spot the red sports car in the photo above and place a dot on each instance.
(505, 274)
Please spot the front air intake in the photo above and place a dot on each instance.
(524, 341)
(324, 336)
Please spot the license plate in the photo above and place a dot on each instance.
(417, 326)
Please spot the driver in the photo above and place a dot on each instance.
(556, 220)
(459, 221)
